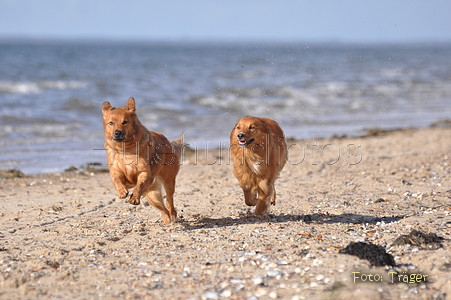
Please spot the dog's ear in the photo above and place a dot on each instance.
(265, 126)
(106, 107)
(130, 106)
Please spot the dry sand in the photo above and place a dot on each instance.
(68, 236)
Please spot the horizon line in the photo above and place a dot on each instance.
(214, 40)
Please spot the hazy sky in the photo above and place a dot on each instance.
(302, 20)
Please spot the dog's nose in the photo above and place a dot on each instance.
(117, 133)
(241, 135)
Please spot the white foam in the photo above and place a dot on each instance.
(17, 87)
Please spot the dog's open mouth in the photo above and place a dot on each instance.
(244, 143)
(118, 139)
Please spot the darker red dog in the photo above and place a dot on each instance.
(140, 159)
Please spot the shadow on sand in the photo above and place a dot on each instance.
(316, 218)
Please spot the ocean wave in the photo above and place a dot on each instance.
(16, 120)
(41, 136)
(323, 97)
(62, 85)
(79, 104)
(285, 99)
(17, 87)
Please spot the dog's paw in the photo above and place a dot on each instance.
(250, 200)
(123, 193)
(134, 200)
(262, 207)
(173, 216)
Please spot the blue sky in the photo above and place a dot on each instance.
(302, 20)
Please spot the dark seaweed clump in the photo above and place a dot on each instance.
(416, 237)
(376, 255)
(12, 173)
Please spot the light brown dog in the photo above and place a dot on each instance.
(140, 159)
(259, 153)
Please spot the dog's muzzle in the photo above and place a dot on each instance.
(242, 140)
(118, 136)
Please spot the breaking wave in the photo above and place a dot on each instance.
(17, 87)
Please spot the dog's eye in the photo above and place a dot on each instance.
(251, 127)
(125, 122)
(238, 127)
(110, 123)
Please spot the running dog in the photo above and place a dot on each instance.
(259, 152)
(140, 159)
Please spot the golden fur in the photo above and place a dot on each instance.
(259, 153)
(140, 159)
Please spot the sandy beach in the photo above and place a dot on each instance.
(69, 236)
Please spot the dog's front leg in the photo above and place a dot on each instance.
(143, 183)
(118, 181)
(249, 198)
(265, 196)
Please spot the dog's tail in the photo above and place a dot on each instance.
(178, 144)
